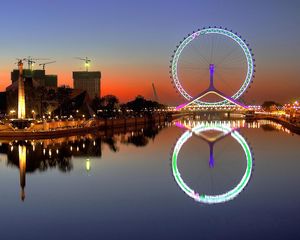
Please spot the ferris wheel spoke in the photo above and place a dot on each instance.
(212, 49)
(212, 189)
(234, 63)
(228, 86)
(229, 54)
(184, 62)
(200, 55)
(216, 47)
(231, 68)
(194, 68)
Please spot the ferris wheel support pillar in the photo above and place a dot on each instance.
(212, 90)
(211, 76)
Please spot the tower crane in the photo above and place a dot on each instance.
(154, 93)
(31, 61)
(86, 62)
(46, 63)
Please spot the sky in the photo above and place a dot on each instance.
(131, 42)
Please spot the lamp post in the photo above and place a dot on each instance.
(12, 113)
(33, 114)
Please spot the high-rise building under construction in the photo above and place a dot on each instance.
(88, 81)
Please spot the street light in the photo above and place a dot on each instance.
(12, 112)
(33, 114)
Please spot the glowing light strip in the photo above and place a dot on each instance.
(212, 199)
(234, 37)
(224, 97)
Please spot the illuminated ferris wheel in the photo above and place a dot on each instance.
(215, 57)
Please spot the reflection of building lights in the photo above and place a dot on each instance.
(88, 165)
(22, 166)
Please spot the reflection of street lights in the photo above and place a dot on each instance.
(88, 165)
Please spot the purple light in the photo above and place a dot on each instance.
(211, 69)
(181, 106)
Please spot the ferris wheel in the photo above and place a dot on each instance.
(215, 57)
(215, 198)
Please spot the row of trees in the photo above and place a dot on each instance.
(63, 102)
(110, 105)
(271, 106)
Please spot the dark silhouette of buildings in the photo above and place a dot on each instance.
(39, 76)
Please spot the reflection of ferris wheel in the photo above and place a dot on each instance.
(210, 42)
(224, 197)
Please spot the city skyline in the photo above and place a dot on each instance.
(132, 43)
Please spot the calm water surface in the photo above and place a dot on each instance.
(189, 179)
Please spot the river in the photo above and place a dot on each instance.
(187, 179)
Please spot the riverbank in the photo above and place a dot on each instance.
(295, 128)
(61, 128)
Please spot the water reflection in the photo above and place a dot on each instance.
(266, 125)
(22, 164)
(42, 155)
(221, 130)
